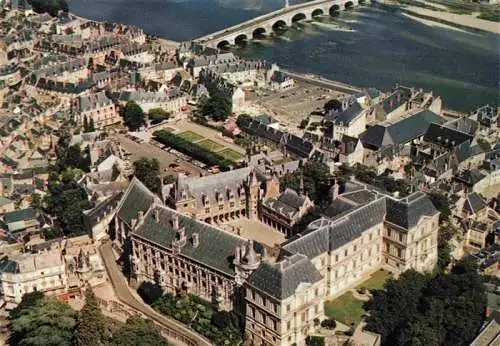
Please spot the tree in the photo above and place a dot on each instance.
(50, 6)
(28, 301)
(333, 104)
(442, 204)
(447, 309)
(148, 171)
(35, 201)
(67, 200)
(85, 124)
(138, 332)
(304, 123)
(91, 328)
(157, 115)
(317, 181)
(133, 116)
(243, 121)
(49, 322)
(484, 144)
(218, 107)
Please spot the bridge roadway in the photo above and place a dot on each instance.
(178, 334)
(265, 23)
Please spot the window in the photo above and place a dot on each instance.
(401, 237)
(207, 210)
(288, 307)
(288, 325)
(231, 204)
(388, 232)
(370, 236)
(355, 248)
(336, 258)
(345, 253)
(400, 253)
(316, 292)
(221, 206)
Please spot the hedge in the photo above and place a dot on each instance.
(193, 150)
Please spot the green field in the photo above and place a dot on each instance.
(345, 309)
(191, 136)
(376, 280)
(230, 154)
(210, 145)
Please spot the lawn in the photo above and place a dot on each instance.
(345, 309)
(230, 154)
(376, 280)
(210, 145)
(191, 136)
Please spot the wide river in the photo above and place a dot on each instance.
(365, 47)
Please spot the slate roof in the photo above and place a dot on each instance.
(399, 132)
(464, 124)
(444, 136)
(216, 247)
(281, 279)
(471, 176)
(213, 186)
(136, 198)
(288, 202)
(265, 119)
(5, 201)
(325, 235)
(21, 215)
(474, 203)
(344, 116)
(407, 212)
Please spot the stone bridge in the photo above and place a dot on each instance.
(273, 21)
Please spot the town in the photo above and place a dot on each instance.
(178, 191)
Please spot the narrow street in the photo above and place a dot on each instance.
(179, 335)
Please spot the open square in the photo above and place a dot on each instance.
(191, 136)
(231, 155)
(210, 145)
(346, 309)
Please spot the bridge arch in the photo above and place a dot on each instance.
(298, 17)
(223, 45)
(258, 33)
(241, 40)
(280, 25)
(334, 10)
(348, 5)
(317, 12)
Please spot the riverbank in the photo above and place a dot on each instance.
(423, 11)
(464, 20)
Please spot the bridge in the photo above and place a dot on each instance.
(274, 21)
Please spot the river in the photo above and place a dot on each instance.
(365, 47)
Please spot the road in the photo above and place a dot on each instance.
(179, 334)
(324, 83)
(138, 150)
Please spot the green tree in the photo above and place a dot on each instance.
(91, 327)
(317, 181)
(442, 204)
(218, 107)
(148, 171)
(35, 201)
(333, 104)
(85, 124)
(28, 301)
(49, 322)
(138, 332)
(157, 115)
(243, 121)
(484, 144)
(50, 6)
(133, 116)
(67, 200)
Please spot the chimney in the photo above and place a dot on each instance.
(264, 254)
(141, 216)
(196, 239)
(237, 255)
(175, 222)
(157, 215)
(133, 222)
